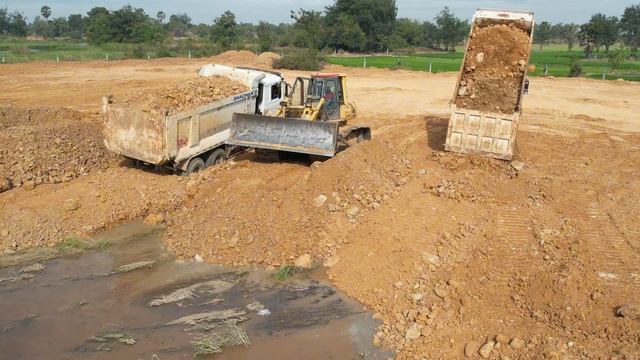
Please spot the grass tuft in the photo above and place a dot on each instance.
(285, 272)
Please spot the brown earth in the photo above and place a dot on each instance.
(49, 145)
(494, 69)
(454, 254)
(185, 95)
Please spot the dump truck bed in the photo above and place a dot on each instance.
(492, 133)
(174, 139)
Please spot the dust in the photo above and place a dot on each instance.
(494, 69)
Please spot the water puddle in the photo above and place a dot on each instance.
(134, 301)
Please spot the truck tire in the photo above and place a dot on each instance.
(218, 156)
(195, 165)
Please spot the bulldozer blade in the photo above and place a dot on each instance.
(285, 134)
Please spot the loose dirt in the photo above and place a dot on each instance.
(49, 146)
(494, 69)
(186, 95)
(267, 59)
(455, 254)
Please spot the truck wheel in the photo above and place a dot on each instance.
(195, 165)
(218, 156)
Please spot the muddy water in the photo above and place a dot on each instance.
(65, 310)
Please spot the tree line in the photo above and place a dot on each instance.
(349, 25)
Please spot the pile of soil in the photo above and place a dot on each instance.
(494, 69)
(48, 145)
(240, 57)
(284, 210)
(186, 95)
(267, 59)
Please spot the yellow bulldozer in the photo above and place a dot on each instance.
(313, 119)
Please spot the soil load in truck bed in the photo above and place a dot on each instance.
(184, 96)
(494, 68)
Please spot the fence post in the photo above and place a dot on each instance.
(189, 54)
(364, 65)
(3, 59)
(430, 64)
(604, 75)
(546, 70)
(148, 56)
(57, 58)
(107, 56)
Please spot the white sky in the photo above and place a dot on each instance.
(276, 11)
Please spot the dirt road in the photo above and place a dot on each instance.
(455, 254)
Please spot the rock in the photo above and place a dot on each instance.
(413, 332)
(32, 269)
(417, 297)
(29, 185)
(71, 205)
(430, 258)
(462, 91)
(331, 261)
(5, 184)
(353, 212)
(522, 62)
(398, 285)
(480, 58)
(154, 219)
(485, 350)
(502, 339)
(517, 165)
(441, 293)
(630, 311)
(422, 171)
(516, 343)
(303, 261)
(198, 258)
(333, 207)
(471, 348)
(320, 200)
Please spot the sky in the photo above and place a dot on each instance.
(277, 11)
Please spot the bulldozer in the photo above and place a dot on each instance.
(312, 119)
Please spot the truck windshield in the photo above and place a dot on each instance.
(316, 89)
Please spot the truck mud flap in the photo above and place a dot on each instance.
(284, 134)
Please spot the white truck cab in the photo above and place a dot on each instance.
(270, 85)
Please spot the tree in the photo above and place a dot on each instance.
(45, 11)
(160, 16)
(630, 26)
(4, 20)
(265, 33)
(17, 24)
(570, 33)
(309, 29)
(224, 29)
(126, 25)
(451, 30)
(543, 34)
(615, 58)
(429, 34)
(97, 24)
(375, 18)
(75, 23)
(601, 30)
(346, 34)
(40, 27)
(179, 24)
(59, 27)
(411, 32)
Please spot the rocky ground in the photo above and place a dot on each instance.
(457, 255)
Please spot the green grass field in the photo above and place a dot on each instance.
(557, 58)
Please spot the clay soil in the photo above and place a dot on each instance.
(186, 95)
(454, 254)
(494, 69)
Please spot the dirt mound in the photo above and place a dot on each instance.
(283, 211)
(47, 145)
(186, 95)
(236, 57)
(494, 69)
(266, 58)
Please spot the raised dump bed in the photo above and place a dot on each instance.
(487, 101)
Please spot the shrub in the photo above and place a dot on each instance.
(301, 60)
(576, 68)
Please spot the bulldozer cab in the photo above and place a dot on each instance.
(320, 92)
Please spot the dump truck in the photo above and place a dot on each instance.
(191, 140)
(314, 120)
(477, 123)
